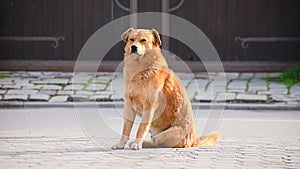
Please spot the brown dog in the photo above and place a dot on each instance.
(155, 93)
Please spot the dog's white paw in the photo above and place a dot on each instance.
(135, 146)
(118, 146)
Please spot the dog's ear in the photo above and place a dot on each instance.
(156, 36)
(125, 35)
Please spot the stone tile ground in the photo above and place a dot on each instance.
(71, 152)
(103, 86)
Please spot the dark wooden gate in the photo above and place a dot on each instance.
(221, 20)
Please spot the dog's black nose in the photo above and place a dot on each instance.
(133, 49)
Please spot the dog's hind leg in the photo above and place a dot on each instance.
(148, 144)
(172, 137)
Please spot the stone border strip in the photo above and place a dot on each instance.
(205, 106)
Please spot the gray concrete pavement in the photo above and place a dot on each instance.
(53, 138)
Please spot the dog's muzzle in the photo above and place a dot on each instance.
(133, 49)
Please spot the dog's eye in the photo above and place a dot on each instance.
(143, 40)
(131, 39)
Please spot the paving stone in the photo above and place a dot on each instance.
(194, 87)
(217, 76)
(51, 81)
(30, 87)
(248, 97)
(105, 74)
(295, 86)
(15, 97)
(7, 83)
(50, 87)
(277, 85)
(117, 88)
(79, 81)
(257, 88)
(295, 97)
(37, 74)
(21, 81)
(261, 75)
(237, 84)
(7, 79)
(51, 73)
(266, 92)
(185, 76)
(95, 87)
(29, 76)
(11, 86)
(59, 99)
(201, 76)
(22, 92)
(258, 82)
(251, 92)
(295, 89)
(65, 92)
(64, 76)
(215, 89)
(231, 75)
(80, 92)
(100, 97)
(295, 103)
(275, 74)
(207, 96)
(3, 91)
(84, 74)
(74, 87)
(117, 97)
(39, 97)
(246, 76)
(107, 92)
(102, 79)
(282, 98)
(30, 79)
(185, 82)
(192, 90)
(47, 92)
(200, 82)
(294, 92)
(79, 98)
(236, 90)
(278, 91)
(218, 82)
(191, 94)
(225, 97)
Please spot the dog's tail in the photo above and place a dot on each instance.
(208, 140)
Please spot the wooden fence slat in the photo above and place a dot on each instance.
(68, 30)
(37, 25)
(77, 27)
(87, 19)
(6, 48)
(27, 28)
(221, 21)
(57, 19)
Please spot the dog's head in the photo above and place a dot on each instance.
(140, 41)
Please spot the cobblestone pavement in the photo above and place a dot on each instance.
(51, 152)
(52, 138)
(202, 87)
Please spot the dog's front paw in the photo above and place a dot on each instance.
(118, 146)
(136, 146)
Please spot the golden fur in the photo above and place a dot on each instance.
(155, 93)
